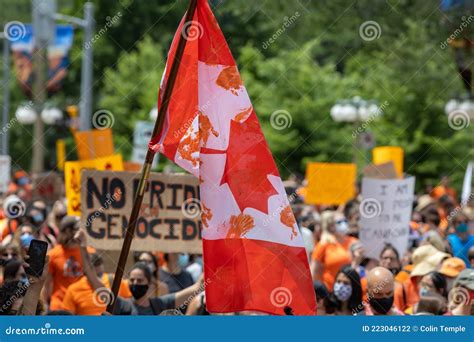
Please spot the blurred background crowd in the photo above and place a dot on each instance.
(434, 277)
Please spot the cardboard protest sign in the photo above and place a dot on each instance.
(385, 213)
(5, 165)
(169, 219)
(384, 154)
(47, 186)
(381, 171)
(94, 144)
(72, 178)
(330, 183)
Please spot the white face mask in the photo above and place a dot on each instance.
(342, 291)
(342, 226)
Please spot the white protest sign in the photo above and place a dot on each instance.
(5, 163)
(141, 137)
(467, 185)
(142, 133)
(385, 213)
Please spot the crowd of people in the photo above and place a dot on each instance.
(434, 277)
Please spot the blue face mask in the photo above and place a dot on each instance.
(38, 218)
(424, 292)
(22, 181)
(25, 240)
(183, 260)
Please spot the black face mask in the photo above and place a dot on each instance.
(381, 305)
(394, 270)
(138, 290)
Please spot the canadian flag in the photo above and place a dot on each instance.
(254, 258)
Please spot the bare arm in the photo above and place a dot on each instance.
(317, 270)
(48, 289)
(186, 295)
(87, 267)
(33, 293)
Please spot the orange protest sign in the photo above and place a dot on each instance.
(330, 183)
(384, 154)
(93, 144)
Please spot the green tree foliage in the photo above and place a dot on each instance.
(315, 58)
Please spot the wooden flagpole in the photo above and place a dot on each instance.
(132, 223)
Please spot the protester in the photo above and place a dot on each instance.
(322, 294)
(7, 253)
(461, 240)
(431, 305)
(195, 266)
(82, 299)
(425, 260)
(380, 292)
(348, 291)
(173, 272)
(450, 269)
(36, 215)
(143, 303)
(434, 283)
(157, 287)
(390, 259)
(65, 263)
(332, 252)
(14, 271)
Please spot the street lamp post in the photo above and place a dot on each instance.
(463, 104)
(44, 16)
(44, 32)
(6, 93)
(355, 110)
(85, 104)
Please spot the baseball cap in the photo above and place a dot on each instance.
(451, 267)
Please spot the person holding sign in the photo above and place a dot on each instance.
(80, 297)
(140, 280)
(65, 263)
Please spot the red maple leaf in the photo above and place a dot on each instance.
(248, 164)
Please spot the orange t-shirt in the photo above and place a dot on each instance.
(332, 256)
(65, 268)
(79, 298)
(406, 294)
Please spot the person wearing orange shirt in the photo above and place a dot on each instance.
(332, 252)
(65, 263)
(81, 299)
